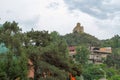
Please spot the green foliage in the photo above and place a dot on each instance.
(81, 39)
(52, 72)
(59, 44)
(111, 72)
(11, 28)
(51, 57)
(114, 42)
(39, 38)
(12, 66)
(113, 61)
(49, 54)
(10, 36)
(93, 72)
(82, 55)
(116, 77)
(13, 63)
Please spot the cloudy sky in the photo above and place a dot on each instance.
(100, 18)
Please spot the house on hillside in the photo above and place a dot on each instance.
(72, 50)
(98, 55)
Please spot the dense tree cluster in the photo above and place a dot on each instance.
(113, 59)
(50, 56)
(14, 57)
(48, 52)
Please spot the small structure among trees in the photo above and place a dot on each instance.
(98, 55)
(72, 50)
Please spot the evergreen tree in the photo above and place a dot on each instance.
(82, 55)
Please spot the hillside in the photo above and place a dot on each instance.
(114, 42)
(81, 39)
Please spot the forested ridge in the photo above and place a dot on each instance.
(81, 39)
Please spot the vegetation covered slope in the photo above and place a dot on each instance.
(49, 54)
(81, 39)
(114, 42)
(113, 60)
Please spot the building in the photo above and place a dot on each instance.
(72, 50)
(98, 55)
(78, 28)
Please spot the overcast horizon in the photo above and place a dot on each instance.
(100, 18)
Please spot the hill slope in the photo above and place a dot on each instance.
(81, 39)
(114, 42)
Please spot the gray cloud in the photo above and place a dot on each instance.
(103, 15)
(53, 5)
(98, 8)
(29, 23)
(111, 26)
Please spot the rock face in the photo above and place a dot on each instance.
(78, 28)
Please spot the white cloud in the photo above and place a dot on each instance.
(99, 18)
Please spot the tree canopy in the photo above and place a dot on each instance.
(50, 56)
(48, 52)
(81, 39)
